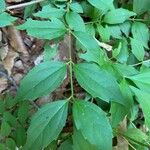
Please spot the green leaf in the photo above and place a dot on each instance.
(80, 143)
(50, 12)
(50, 51)
(91, 46)
(74, 21)
(23, 112)
(124, 53)
(2, 146)
(46, 125)
(10, 144)
(142, 80)
(66, 145)
(140, 32)
(7, 116)
(76, 7)
(41, 80)
(103, 32)
(29, 10)
(143, 99)
(119, 15)
(90, 29)
(44, 29)
(2, 5)
(20, 136)
(5, 129)
(115, 31)
(2, 106)
(118, 113)
(102, 5)
(6, 19)
(125, 28)
(135, 135)
(137, 49)
(93, 124)
(139, 7)
(98, 82)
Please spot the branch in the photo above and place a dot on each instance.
(23, 4)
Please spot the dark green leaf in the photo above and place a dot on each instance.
(6, 19)
(50, 12)
(66, 145)
(2, 106)
(23, 112)
(93, 124)
(41, 80)
(98, 82)
(46, 125)
(10, 144)
(140, 7)
(74, 21)
(7, 116)
(119, 15)
(20, 136)
(29, 10)
(44, 29)
(5, 129)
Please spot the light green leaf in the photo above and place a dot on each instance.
(140, 32)
(119, 15)
(5, 129)
(118, 113)
(93, 124)
(2, 5)
(49, 12)
(74, 21)
(142, 80)
(44, 29)
(125, 28)
(41, 80)
(143, 99)
(76, 7)
(91, 46)
(136, 136)
(124, 52)
(90, 29)
(115, 31)
(6, 19)
(98, 82)
(137, 49)
(102, 5)
(50, 51)
(46, 125)
(80, 143)
(103, 32)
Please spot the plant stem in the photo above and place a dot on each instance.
(70, 64)
(23, 4)
(146, 61)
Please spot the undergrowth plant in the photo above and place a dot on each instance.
(112, 67)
